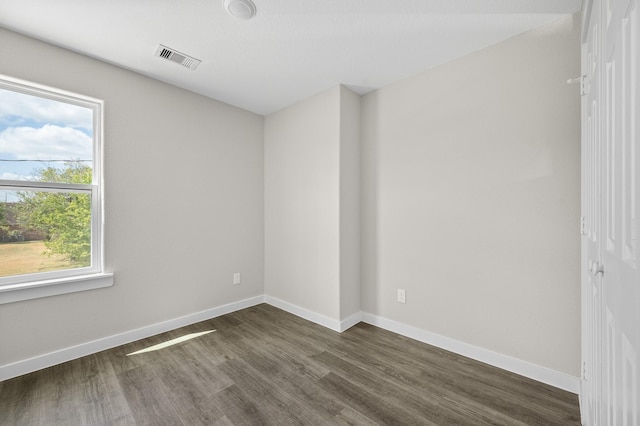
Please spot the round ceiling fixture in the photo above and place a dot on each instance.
(243, 9)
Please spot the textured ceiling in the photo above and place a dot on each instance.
(290, 50)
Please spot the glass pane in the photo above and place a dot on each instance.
(40, 139)
(44, 231)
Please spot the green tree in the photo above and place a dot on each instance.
(3, 217)
(65, 217)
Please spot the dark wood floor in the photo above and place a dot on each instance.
(264, 366)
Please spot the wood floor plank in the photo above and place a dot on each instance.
(191, 386)
(17, 399)
(74, 391)
(239, 408)
(119, 413)
(148, 397)
(349, 416)
(424, 403)
(446, 383)
(275, 403)
(285, 346)
(92, 406)
(295, 383)
(369, 403)
(263, 366)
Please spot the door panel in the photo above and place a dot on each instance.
(611, 181)
(591, 172)
(610, 290)
(621, 279)
(630, 396)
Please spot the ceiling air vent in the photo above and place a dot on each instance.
(177, 57)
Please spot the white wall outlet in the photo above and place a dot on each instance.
(236, 278)
(402, 295)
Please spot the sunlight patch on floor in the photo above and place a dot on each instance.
(171, 342)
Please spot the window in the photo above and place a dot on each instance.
(50, 192)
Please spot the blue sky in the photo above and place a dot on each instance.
(43, 132)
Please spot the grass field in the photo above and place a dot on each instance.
(27, 258)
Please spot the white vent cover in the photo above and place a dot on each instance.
(177, 57)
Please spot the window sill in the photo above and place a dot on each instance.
(38, 289)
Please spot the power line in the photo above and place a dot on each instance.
(48, 161)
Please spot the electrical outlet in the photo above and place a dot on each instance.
(402, 295)
(236, 278)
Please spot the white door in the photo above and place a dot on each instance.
(620, 279)
(591, 215)
(611, 204)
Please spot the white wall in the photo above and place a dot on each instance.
(312, 204)
(471, 199)
(183, 196)
(301, 172)
(349, 203)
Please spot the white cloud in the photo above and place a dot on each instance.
(17, 176)
(11, 176)
(49, 142)
(14, 104)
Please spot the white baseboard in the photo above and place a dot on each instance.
(320, 319)
(505, 362)
(350, 321)
(19, 368)
(298, 311)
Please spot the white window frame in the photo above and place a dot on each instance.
(30, 286)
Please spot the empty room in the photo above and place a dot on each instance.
(319, 212)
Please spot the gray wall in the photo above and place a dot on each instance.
(471, 188)
(184, 204)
